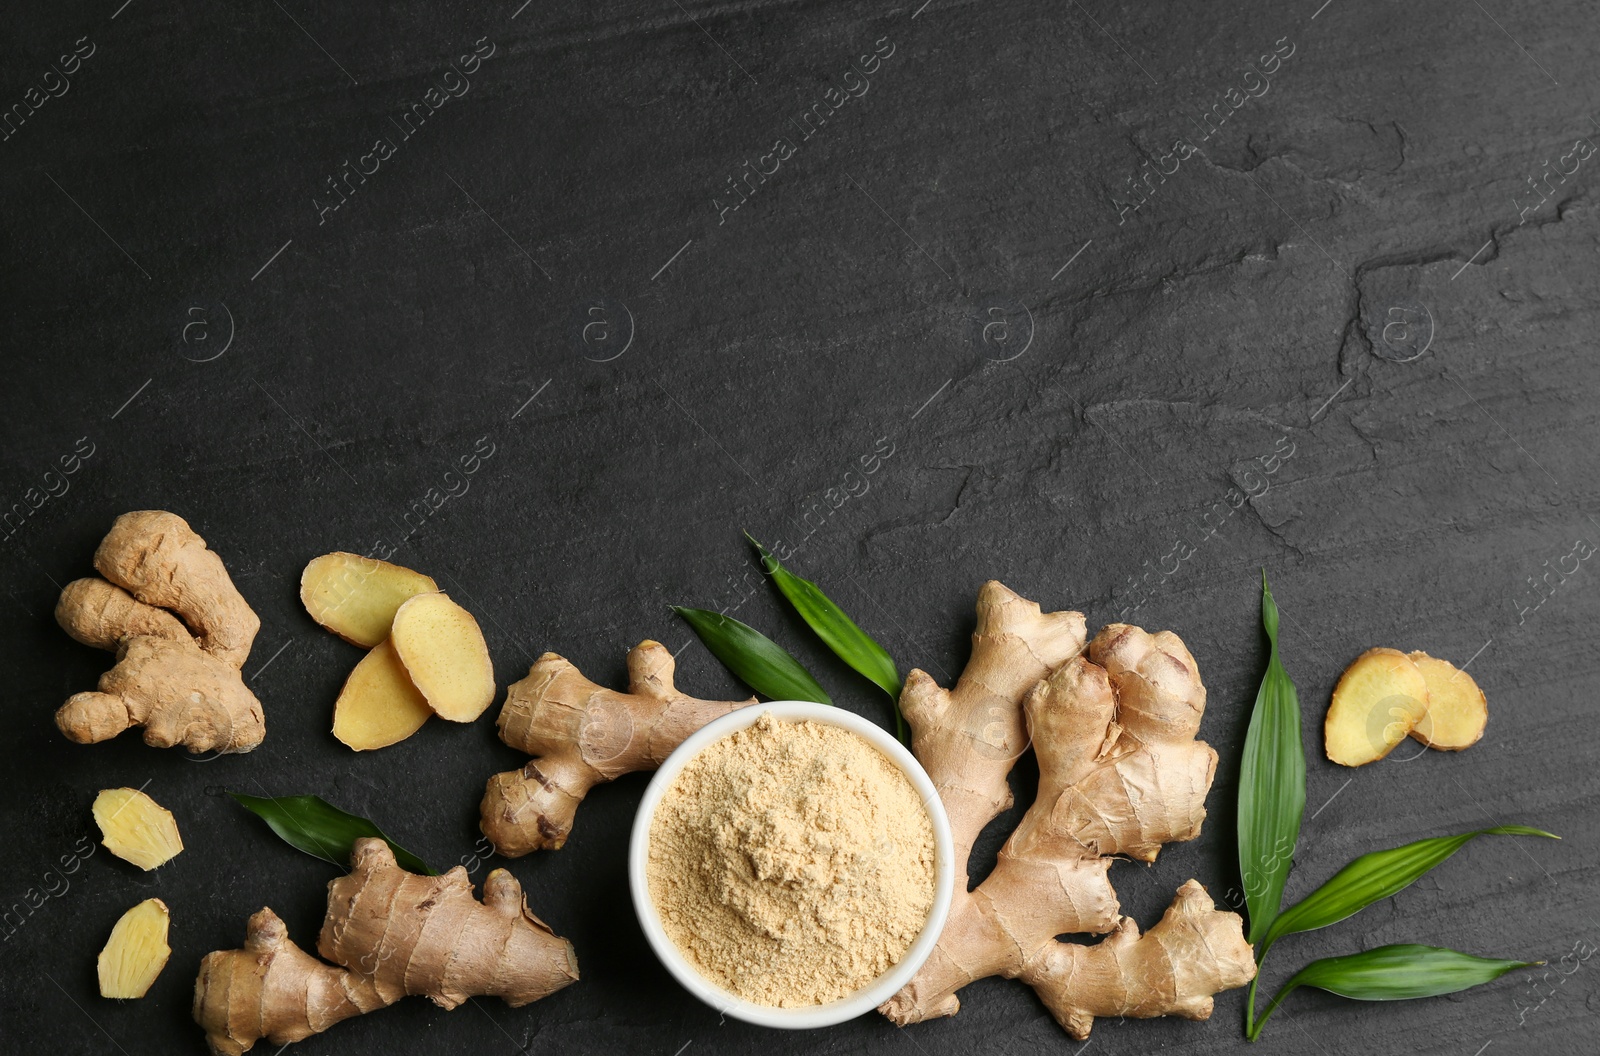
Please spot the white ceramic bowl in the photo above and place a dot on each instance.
(868, 997)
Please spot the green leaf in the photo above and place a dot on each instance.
(757, 660)
(1374, 877)
(1272, 785)
(1394, 973)
(322, 830)
(837, 630)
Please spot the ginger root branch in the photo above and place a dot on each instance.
(583, 735)
(156, 557)
(968, 738)
(1120, 774)
(179, 694)
(391, 934)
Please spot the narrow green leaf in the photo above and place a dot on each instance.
(1394, 973)
(837, 630)
(1272, 785)
(1374, 877)
(322, 830)
(755, 659)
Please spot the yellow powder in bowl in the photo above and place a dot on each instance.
(792, 863)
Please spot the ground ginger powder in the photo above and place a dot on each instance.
(792, 863)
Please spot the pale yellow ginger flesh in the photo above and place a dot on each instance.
(391, 934)
(356, 597)
(583, 735)
(181, 631)
(443, 651)
(136, 952)
(136, 828)
(1457, 709)
(1380, 698)
(378, 705)
(1120, 774)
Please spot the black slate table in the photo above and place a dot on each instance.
(1117, 303)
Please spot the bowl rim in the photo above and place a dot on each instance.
(851, 1005)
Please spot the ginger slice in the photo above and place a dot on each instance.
(378, 705)
(136, 828)
(136, 951)
(1457, 709)
(356, 597)
(1379, 700)
(443, 651)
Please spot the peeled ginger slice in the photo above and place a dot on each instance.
(356, 597)
(136, 828)
(443, 651)
(378, 705)
(1379, 700)
(136, 951)
(1457, 710)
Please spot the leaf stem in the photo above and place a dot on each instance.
(1254, 1032)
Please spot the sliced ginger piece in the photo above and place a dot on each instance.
(443, 651)
(356, 597)
(136, 828)
(379, 705)
(1457, 709)
(1379, 700)
(136, 951)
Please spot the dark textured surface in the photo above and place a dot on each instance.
(908, 280)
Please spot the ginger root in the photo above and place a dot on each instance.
(158, 558)
(583, 734)
(391, 934)
(179, 694)
(177, 671)
(136, 952)
(101, 615)
(136, 828)
(1457, 710)
(970, 737)
(1120, 773)
(1380, 698)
